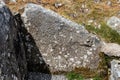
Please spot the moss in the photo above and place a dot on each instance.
(74, 76)
(85, 72)
(97, 78)
(105, 32)
(101, 73)
(104, 65)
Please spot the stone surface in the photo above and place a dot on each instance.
(13, 64)
(115, 70)
(111, 49)
(114, 23)
(63, 44)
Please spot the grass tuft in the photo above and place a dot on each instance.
(74, 76)
(105, 32)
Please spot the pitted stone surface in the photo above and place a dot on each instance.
(63, 44)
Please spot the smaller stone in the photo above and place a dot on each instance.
(115, 70)
(73, 15)
(83, 6)
(109, 3)
(90, 22)
(58, 5)
(114, 23)
(111, 49)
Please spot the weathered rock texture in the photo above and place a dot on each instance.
(63, 44)
(13, 64)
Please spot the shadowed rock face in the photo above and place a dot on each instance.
(63, 44)
(34, 60)
(19, 54)
(12, 54)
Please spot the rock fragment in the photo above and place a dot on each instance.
(111, 49)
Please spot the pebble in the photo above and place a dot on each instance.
(57, 5)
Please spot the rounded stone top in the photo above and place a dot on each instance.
(111, 49)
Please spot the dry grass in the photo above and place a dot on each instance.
(73, 10)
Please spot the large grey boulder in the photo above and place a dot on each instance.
(64, 44)
(13, 64)
(114, 23)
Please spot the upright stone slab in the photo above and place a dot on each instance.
(13, 64)
(64, 44)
